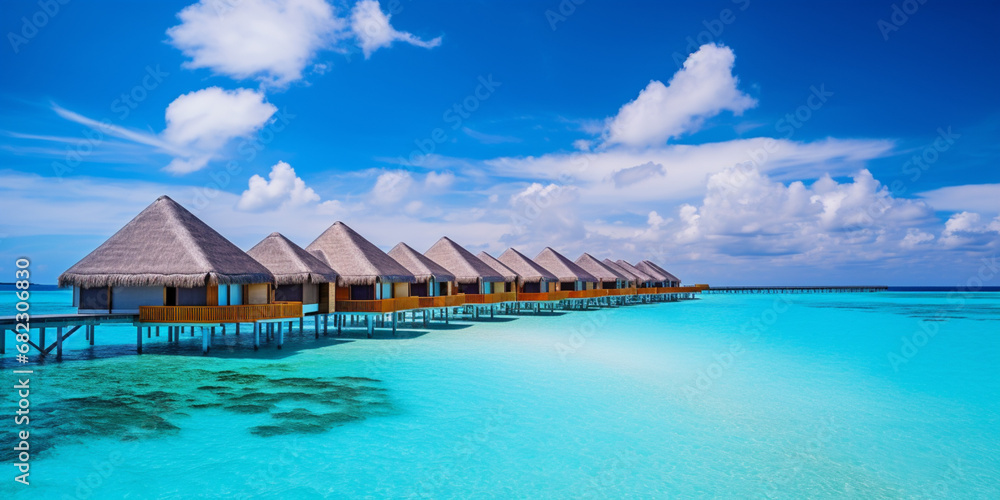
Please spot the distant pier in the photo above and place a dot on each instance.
(795, 289)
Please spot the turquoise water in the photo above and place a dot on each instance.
(793, 396)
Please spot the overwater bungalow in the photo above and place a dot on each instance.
(510, 278)
(478, 281)
(435, 286)
(571, 276)
(369, 280)
(607, 277)
(534, 278)
(166, 265)
(632, 278)
(298, 274)
(671, 280)
(660, 279)
(643, 279)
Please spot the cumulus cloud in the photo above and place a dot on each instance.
(201, 123)
(745, 213)
(970, 197)
(703, 88)
(392, 187)
(968, 229)
(284, 189)
(372, 29)
(271, 40)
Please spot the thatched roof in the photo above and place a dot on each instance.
(563, 268)
(621, 270)
(466, 267)
(507, 273)
(648, 264)
(600, 270)
(641, 276)
(165, 245)
(646, 268)
(357, 260)
(421, 267)
(289, 263)
(527, 269)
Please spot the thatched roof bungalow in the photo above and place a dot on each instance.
(606, 276)
(165, 256)
(571, 276)
(669, 279)
(632, 278)
(297, 273)
(511, 279)
(364, 271)
(432, 280)
(643, 279)
(533, 277)
(472, 275)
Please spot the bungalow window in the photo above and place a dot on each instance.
(288, 293)
(95, 299)
(567, 286)
(197, 296)
(470, 288)
(362, 292)
(532, 288)
(443, 288)
(418, 289)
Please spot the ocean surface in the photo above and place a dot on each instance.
(878, 395)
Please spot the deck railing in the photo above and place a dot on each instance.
(454, 300)
(442, 301)
(490, 298)
(219, 314)
(378, 306)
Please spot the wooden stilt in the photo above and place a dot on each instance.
(371, 325)
(301, 321)
(340, 324)
(93, 330)
(205, 334)
(59, 339)
(281, 335)
(41, 340)
(316, 325)
(138, 339)
(394, 316)
(157, 331)
(256, 335)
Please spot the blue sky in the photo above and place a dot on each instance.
(735, 142)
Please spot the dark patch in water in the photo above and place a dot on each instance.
(112, 399)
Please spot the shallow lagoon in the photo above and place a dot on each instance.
(727, 396)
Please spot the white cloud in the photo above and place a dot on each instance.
(284, 189)
(271, 40)
(392, 187)
(983, 198)
(201, 123)
(438, 181)
(744, 214)
(373, 31)
(968, 229)
(915, 237)
(703, 88)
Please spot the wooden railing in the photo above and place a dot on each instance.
(621, 291)
(378, 306)
(490, 298)
(442, 301)
(534, 297)
(219, 314)
(675, 289)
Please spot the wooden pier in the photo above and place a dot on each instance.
(795, 289)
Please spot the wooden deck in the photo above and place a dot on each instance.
(219, 314)
(442, 301)
(378, 306)
(795, 289)
(490, 298)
